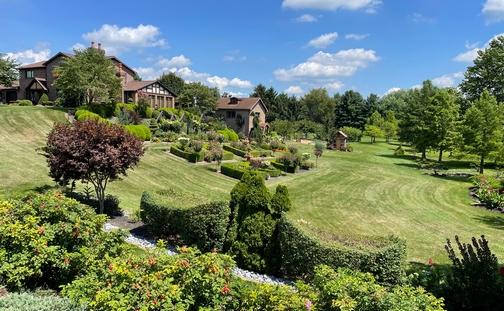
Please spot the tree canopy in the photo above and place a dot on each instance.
(89, 72)
(173, 82)
(8, 70)
(198, 98)
(91, 151)
(487, 73)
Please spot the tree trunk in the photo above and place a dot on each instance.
(440, 159)
(424, 156)
(482, 162)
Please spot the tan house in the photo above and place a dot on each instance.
(38, 78)
(239, 113)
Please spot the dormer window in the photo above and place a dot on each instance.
(234, 101)
(29, 74)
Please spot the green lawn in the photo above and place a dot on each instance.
(368, 192)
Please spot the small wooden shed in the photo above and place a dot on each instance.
(338, 141)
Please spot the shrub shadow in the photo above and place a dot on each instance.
(496, 221)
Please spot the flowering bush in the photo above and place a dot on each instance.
(293, 149)
(183, 142)
(197, 145)
(50, 239)
(212, 135)
(306, 156)
(486, 193)
(274, 144)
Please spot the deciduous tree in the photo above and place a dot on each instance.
(91, 151)
(487, 73)
(198, 98)
(8, 70)
(173, 82)
(88, 72)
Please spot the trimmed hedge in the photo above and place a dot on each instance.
(191, 157)
(228, 155)
(103, 110)
(384, 257)
(239, 152)
(140, 131)
(83, 114)
(24, 102)
(235, 171)
(204, 225)
(229, 134)
(283, 168)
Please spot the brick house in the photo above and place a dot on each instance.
(38, 78)
(239, 113)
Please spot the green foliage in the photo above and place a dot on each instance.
(173, 82)
(24, 102)
(286, 167)
(142, 132)
(383, 257)
(103, 110)
(44, 98)
(350, 110)
(281, 202)
(8, 70)
(124, 117)
(252, 234)
(238, 170)
(202, 225)
(399, 150)
(37, 302)
(474, 282)
(83, 114)
(354, 134)
(122, 106)
(240, 153)
(89, 72)
(198, 96)
(345, 289)
(193, 157)
(48, 240)
(171, 126)
(229, 134)
(487, 72)
(373, 132)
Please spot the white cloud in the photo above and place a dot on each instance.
(190, 75)
(323, 40)
(447, 80)
(356, 36)
(494, 11)
(416, 86)
(234, 58)
(419, 18)
(392, 90)
(470, 55)
(333, 86)
(368, 5)
(237, 51)
(306, 18)
(176, 61)
(328, 66)
(29, 56)
(117, 39)
(224, 82)
(78, 46)
(238, 94)
(296, 90)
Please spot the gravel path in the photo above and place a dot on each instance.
(248, 275)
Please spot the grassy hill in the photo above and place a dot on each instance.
(368, 192)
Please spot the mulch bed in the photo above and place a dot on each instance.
(135, 227)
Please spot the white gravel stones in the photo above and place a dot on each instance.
(248, 275)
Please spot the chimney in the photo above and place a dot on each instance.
(92, 44)
(120, 67)
(99, 46)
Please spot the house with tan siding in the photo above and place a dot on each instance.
(239, 113)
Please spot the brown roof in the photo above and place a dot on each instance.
(15, 85)
(137, 85)
(34, 65)
(243, 103)
(41, 82)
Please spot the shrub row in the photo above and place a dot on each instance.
(284, 168)
(142, 132)
(383, 257)
(236, 171)
(24, 102)
(204, 225)
(239, 152)
(228, 155)
(178, 113)
(191, 157)
(103, 110)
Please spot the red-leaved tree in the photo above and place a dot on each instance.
(91, 151)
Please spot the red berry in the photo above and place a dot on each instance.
(135, 286)
(154, 301)
(76, 233)
(111, 267)
(67, 260)
(37, 251)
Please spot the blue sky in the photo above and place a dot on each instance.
(371, 46)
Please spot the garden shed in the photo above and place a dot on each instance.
(338, 141)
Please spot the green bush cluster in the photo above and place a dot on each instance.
(103, 110)
(286, 168)
(142, 132)
(83, 114)
(240, 153)
(353, 134)
(121, 106)
(229, 134)
(383, 257)
(36, 302)
(203, 226)
(193, 157)
(24, 102)
(47, 240)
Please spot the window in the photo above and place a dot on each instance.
(257, 114)
(29, 74)
(230, 114)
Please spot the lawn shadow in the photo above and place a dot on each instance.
(496, 221)
(45, 188)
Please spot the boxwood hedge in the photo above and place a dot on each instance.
(191, 157)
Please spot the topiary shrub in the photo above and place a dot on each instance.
(24, 102)
(399, 150)
(43, 99)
